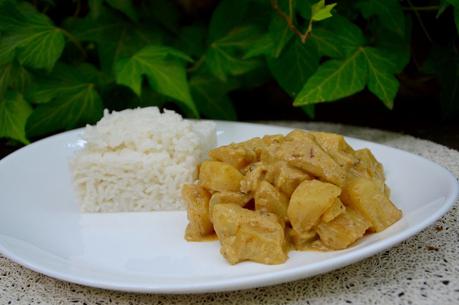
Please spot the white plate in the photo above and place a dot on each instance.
(42, 229)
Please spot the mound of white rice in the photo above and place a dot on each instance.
(138, 159)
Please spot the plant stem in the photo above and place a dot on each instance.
(418, 17)
(289, 19)
(75, 41)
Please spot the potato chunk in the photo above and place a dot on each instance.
(197, 200)
(333, 211)
(234, 154)
(301, 242)
(285, 177)
(227, 197)
(344, 230)
(269, 199)
(249, 235)
(366, 196)
(336, 146)
(302, 151)
(219, 176)
(308, 202)
(368, 166)
(253, 177)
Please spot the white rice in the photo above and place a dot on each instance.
(138, 159)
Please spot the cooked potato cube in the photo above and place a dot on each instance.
(234, 154)
(219, 176)
(302, 151)
(285, 177)
(344, 230)
(333, 211)
(197, 200)
(227, 197)
(366, 196)
(255, 174)
(249, 235)
(301, 242)
(337, 147)
(269, 199)
(368, 166)
(308, 202)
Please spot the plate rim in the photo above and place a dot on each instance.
(260, 279)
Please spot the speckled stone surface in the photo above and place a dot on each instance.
(421, 270)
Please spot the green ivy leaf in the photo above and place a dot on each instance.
(320, 11)
(335, 79)
(302, 61)
(30, 37)
(262, 46)
(337, 37)
(225, 55)
(164, 69)
(226, 16)
(64, 81)
(211, 97)
(310, 110)
(14, 111)
(115, 38)
(81, 106)
(67, 99)
(381, 80)
(280, 34)
(389, 12)
(192, 40)
(443, 62)
(126, 7)
(396, 48)
(14, 76)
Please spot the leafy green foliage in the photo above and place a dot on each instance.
(59, 71)
(303, 60)
(68, 98)
(211, 98)
(165, 71)
(335, 79)
(29, 36)
(14, 111)
(388, 12)
(320, 11)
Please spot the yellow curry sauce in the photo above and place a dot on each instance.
(305, 190)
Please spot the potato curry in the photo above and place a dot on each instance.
(303, 191)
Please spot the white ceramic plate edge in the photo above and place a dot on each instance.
(258, 280)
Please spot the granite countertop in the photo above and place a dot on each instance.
(421, 270)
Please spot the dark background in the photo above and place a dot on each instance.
(418, 108)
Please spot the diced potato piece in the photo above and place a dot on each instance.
(368, 166)
(269, 199)
(301, 242)
(344, 230)
(365, 195)
(197, 200)
(302, 151)
(234, 154)
(249, 235)
(255, 174)
(227, 197)
(332, 212)
(308, 202)
(219, 176)
(285, 177)
(337, 147)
